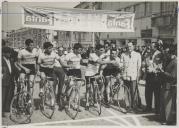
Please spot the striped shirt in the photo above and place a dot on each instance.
(27, 57)
(47, 61)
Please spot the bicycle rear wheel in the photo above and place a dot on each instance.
(47, 106)
(74, 102)
(21, 107)
(124, 98)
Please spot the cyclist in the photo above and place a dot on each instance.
(93, 68)
(46, 63)
(112, 68)
(74, 59)
(27, 63)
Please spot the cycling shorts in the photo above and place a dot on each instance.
(111, 71)
(74, 72)
(29, 66)
(48, 71)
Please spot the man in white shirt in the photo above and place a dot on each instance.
(132, 65)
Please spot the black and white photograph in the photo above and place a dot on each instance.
(89, 63)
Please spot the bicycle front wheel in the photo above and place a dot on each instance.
(124, 98)
(74, 103)
(21, 107)
(97, 100)
(48, 101)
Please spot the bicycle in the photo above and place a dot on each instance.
(120, 94)
(47, 100)
(95, 97)
(71, 98)
(21, 107)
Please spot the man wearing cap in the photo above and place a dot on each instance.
(7, 80)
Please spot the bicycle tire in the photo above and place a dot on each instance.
(91, 96)
(124, 97)
(97, 99)
(73, 109)
(62, 97)
(47, 105)
(19, 107)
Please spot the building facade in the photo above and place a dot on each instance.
(153, 21)
(16, 38)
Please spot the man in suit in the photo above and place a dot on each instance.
(7, 80)
(153, 82)
(132, 64)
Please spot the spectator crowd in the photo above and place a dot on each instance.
(154, 63)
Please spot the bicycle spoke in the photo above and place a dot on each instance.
(74, 103)
(48, 101)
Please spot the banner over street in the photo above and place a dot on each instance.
(78, 20)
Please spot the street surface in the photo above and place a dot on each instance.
(109, 116)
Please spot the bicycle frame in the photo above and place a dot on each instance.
(113, 89)
(95, 83)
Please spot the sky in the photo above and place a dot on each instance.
(12, 15)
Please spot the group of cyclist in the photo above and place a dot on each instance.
(102, 61)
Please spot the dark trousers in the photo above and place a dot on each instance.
(153, 85)
(168, 104)
(60, 74)
(132, 88)
(7, 95)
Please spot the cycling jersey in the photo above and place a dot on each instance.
(111, 69)
(117, 59)
(27, 57)
(47, 61)
(74, 60)
(93, 66)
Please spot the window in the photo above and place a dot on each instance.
(148, 9)
(168, 7)
(140, 10)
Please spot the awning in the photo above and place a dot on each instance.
(78, 19)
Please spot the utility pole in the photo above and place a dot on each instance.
(93, 34)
